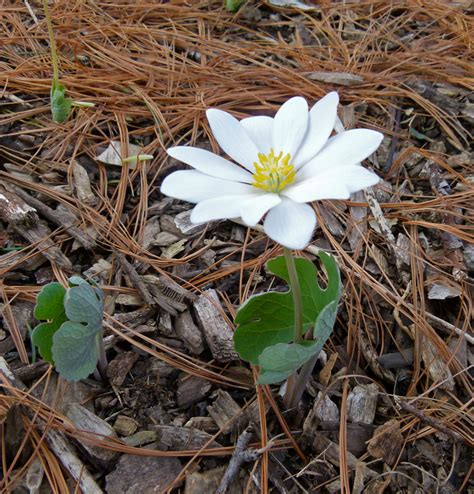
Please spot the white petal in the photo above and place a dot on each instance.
(345, 149)
(290, 224)
(233, 138)
(289, 126)
(252, 210)
(194, 186)
(260, 130)
(210, 164)
(332, 184)
(322, 118)
(218, 208)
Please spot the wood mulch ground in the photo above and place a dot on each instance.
(388, 408)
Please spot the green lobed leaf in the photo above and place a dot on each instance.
(75, 349)
(279, 361)
(268, 319)
(60, 105)
(49, 307)
(83, 303)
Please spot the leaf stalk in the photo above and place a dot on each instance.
(52, 43)
(296, 292)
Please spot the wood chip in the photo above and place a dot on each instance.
(165, 239)
(85, 420)
(60, 216)
(34, 476)
(125, 426)
(387, 442)
(437, 368)
(71, 463)
(323, 445)
(340, 78)
(225, 411)
(185, 225)
(24, 219)
(191, 389)
(362, 403)
(142, 474)
(173, 438)
(82, 185)
(208, 482)
(216, 330)
(325, 409)
(120, 366)
(189, 333)
(206, 424)
(151, 230)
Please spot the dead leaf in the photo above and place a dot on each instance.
(114, 155)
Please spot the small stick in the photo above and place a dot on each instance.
(135, 279)
(65, 219)
(435, 423)
(240, 456)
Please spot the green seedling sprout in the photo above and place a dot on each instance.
(233, 5)
(136, 158)
(60, 104)
(70, 337)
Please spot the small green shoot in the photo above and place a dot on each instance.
(137, 158)
(60, 104)
(71, 337)
(233, 5)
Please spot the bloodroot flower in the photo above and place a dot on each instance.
(283, 163)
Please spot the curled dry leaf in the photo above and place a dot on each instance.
(114, 155)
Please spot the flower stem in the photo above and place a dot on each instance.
(102, 362)
(296, 292)
(301, 380)
(52, 43)
(291, 384)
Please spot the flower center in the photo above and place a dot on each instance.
(273, 172)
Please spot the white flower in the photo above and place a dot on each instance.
(285, 162)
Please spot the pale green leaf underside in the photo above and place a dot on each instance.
(280, 361)
(75, 351)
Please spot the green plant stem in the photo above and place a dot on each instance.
(52, 43)
(300, 382)
(102, 362)
(291, 383)
(296, 292)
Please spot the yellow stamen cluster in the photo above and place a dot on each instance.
(273, 172)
